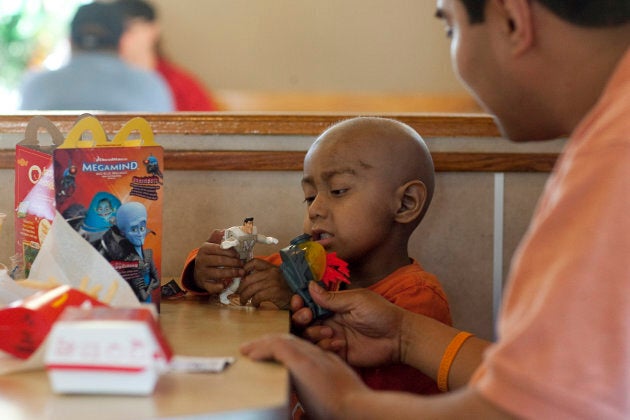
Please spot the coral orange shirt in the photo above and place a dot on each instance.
(564, 329)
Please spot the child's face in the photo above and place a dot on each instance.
(348, 199)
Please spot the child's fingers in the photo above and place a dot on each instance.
(256, 264)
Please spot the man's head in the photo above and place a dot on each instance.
(367, 184)
(537, 65)
(96, 26)
(139, 42)
(138, 9)
(593, 13)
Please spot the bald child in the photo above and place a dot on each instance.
(367, 184)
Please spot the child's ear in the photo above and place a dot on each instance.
(410, 200)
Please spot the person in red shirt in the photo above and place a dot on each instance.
(140, 46)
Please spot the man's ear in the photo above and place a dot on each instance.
(411, 197)
(518, 24)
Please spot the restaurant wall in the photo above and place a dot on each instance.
(330, 45)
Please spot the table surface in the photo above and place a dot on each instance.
(193, 327)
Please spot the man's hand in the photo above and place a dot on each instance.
(264, 283)
(365, 329)
(325, 384)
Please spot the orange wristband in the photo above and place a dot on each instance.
(447, 360)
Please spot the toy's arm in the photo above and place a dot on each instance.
(266, 239)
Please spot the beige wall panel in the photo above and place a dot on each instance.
(330, 45)
(522, 191)
(199, 201)
(455, 243)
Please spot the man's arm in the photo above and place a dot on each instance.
(367, 330)
(315, 372)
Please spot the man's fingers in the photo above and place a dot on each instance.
(296, 303)
(317, 333)
(267, 347)
(302, 317)
(286, 349)
(320, 295)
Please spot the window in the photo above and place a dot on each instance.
(33, 35)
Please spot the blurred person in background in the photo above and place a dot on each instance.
(140, 47)
(96, 78)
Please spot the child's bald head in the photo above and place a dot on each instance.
(390, 147)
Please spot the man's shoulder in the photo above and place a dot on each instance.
(42, 77)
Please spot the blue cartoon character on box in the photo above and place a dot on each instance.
(68, 183)
(153, 166)
(123, 246)
(100, 216)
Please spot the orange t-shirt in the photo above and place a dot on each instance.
(564, 329)
(414, 289)
(409, 287)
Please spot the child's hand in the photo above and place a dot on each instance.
(216, 267)
(264, 283)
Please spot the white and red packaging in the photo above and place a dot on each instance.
(105, 350)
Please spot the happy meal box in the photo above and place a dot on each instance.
(105, 350)
(111, 193)
(34, 189)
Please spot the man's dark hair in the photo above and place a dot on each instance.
(97, 26)
(589, 13)
(137, 9)
(248, 219)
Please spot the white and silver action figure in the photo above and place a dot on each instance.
(242, 239)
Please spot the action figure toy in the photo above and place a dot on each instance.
(304, 261)
(242, 239)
